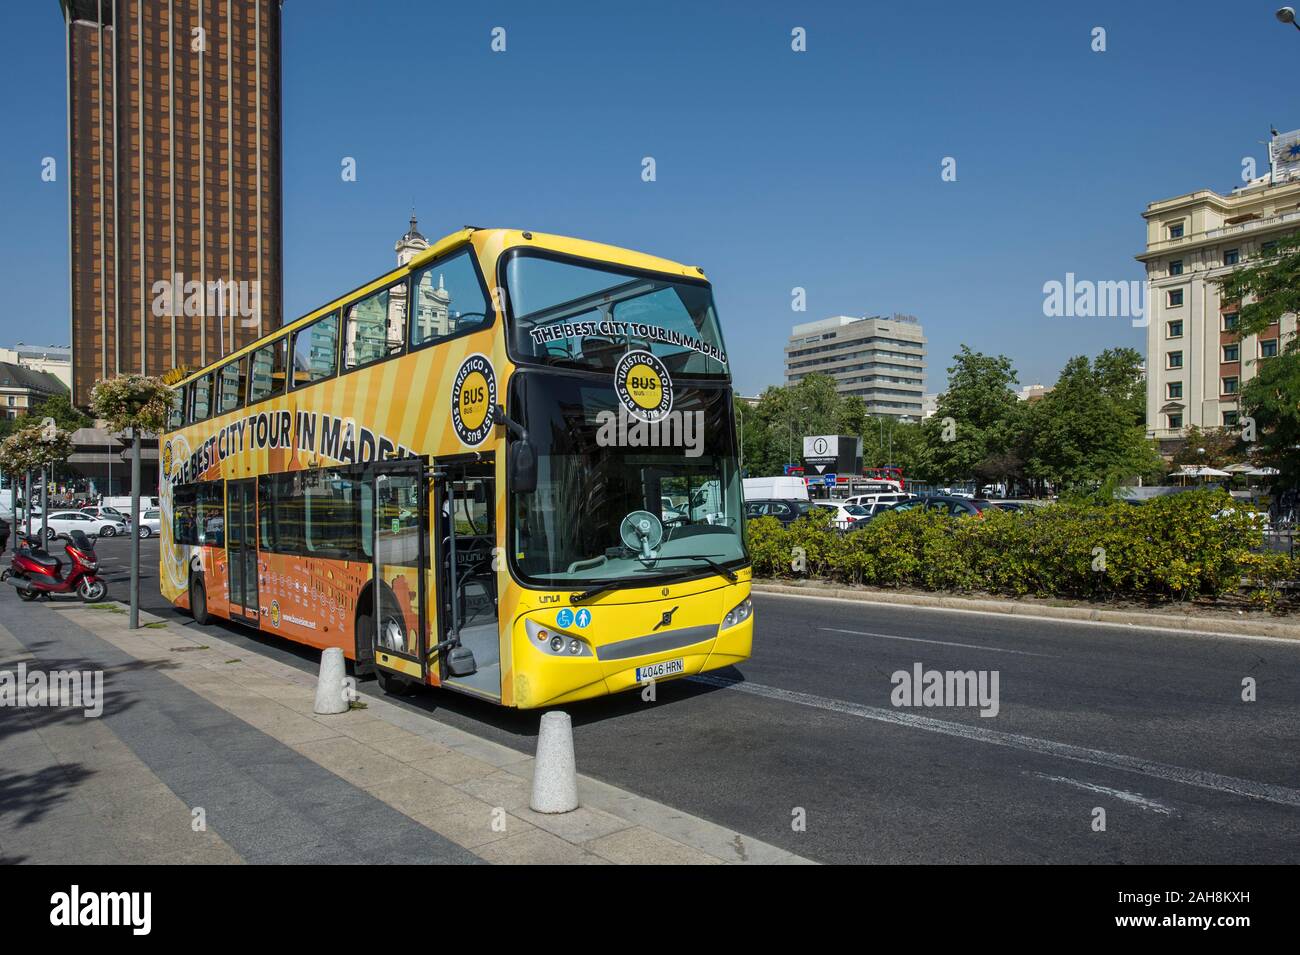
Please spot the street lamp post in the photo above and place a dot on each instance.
(1287, 15)
(789, 445)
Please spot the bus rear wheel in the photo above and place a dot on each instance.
(198, 602)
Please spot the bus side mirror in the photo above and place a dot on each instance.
(523, 466)
(521, 458)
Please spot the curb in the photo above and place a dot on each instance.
(1157, 621)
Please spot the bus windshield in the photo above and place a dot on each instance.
(610, 506)
(582, 316)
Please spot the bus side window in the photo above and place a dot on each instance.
(266, 512)
(266, 375)
(376, 327)
(447, 299)
(211, 516)
(201, 403)
(316, 350)
(176, 413)
(184, 519)
(230, 386)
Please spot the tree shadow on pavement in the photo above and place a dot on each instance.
(25, 798)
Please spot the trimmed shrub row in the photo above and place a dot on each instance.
(1178, 547)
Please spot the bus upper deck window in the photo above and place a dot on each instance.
(201, 407)
(448, 299)
(376, 327)
(230, 386)
(176, 413)
(266, 371)
(316, 350)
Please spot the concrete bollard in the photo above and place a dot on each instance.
(331, 695)
(555, 774)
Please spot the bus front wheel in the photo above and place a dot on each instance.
(392, 684)
(389, 682)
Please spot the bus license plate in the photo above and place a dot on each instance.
(657, 671)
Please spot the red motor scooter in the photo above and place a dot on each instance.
(35, 573)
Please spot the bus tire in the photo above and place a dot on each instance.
(199, 601)
(394, 685)
(391, 683)
(363, 662)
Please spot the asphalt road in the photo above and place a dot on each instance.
(1148, 726)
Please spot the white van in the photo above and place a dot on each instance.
(781, 488)
(122, 503)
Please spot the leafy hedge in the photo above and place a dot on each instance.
(1172, 547)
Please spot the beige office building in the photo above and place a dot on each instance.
(1196, 359)
(881, 359)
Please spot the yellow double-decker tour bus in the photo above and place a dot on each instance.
(508, 467)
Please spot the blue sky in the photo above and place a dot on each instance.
(775, 169)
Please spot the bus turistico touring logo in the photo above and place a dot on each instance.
(645, 417)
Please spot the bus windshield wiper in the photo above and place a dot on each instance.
(718, 568)
(622, 584)
(601, 589)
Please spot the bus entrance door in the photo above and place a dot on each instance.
(241, 546)
(400, 522)
(465, 538)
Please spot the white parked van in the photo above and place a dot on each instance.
(782, 488)
(122, 503)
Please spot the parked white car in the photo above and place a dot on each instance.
(64, 522)
(844, 515)
(867, 500)
(150, 522)
(109, 513)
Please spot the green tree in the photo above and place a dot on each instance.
(1268, 288)
(976, 421)
(1119, 374)
(1211, 447)
(851, 416)
(774, 430)
(900, 443)
(1084, 436)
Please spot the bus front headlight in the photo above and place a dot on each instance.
(738, 614)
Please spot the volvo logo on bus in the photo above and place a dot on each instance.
(473, 398)
(644, 386)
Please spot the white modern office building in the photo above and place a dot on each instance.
(882, 359)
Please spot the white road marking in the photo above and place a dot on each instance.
(1142, 802)
(942, 643)
(1268, 792)
(1290, 641)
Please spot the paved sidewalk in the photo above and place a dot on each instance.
(205, 753)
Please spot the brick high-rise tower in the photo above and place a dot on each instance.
(174, 186)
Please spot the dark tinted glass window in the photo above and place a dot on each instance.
(199, 513)
(318, 513)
